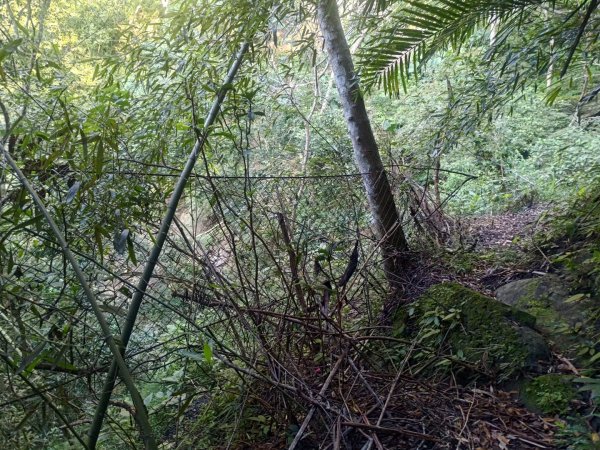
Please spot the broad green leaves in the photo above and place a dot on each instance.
(9, 48)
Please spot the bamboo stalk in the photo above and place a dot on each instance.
(161, 237)
(119, 362)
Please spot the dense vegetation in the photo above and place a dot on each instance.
(234, 224)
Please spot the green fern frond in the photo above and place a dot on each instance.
(420, 29)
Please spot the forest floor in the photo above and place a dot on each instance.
(494, 250)
(371, 406)
(506, 230)
(485, 253)
(507, 244)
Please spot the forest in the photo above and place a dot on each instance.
(306, 224)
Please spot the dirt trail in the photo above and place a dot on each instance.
(500, 231)
(495, 235)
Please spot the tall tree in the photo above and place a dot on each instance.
(366, 152)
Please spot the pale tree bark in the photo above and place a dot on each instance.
(550, 70)
(366, 153)
(495, 24)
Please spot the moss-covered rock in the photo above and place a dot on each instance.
(542, 297)
(549, 394)
(474, 331)
(568, 322)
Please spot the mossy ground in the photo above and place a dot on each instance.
(549, 394)
(470, 327)
(570, 323)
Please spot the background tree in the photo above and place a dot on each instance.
(381, 200)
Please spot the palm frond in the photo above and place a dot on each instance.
(370, 6)
(419, 29)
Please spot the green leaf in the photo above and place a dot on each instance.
(33, 359)
(130, 250)
(125, 291)
(587, 380)
(430, 333)
(9, 48)
(59, 362)
(552, 95)
(99, 159)
(208, 352)
(576, 298)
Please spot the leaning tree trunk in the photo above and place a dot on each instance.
(366, 153)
